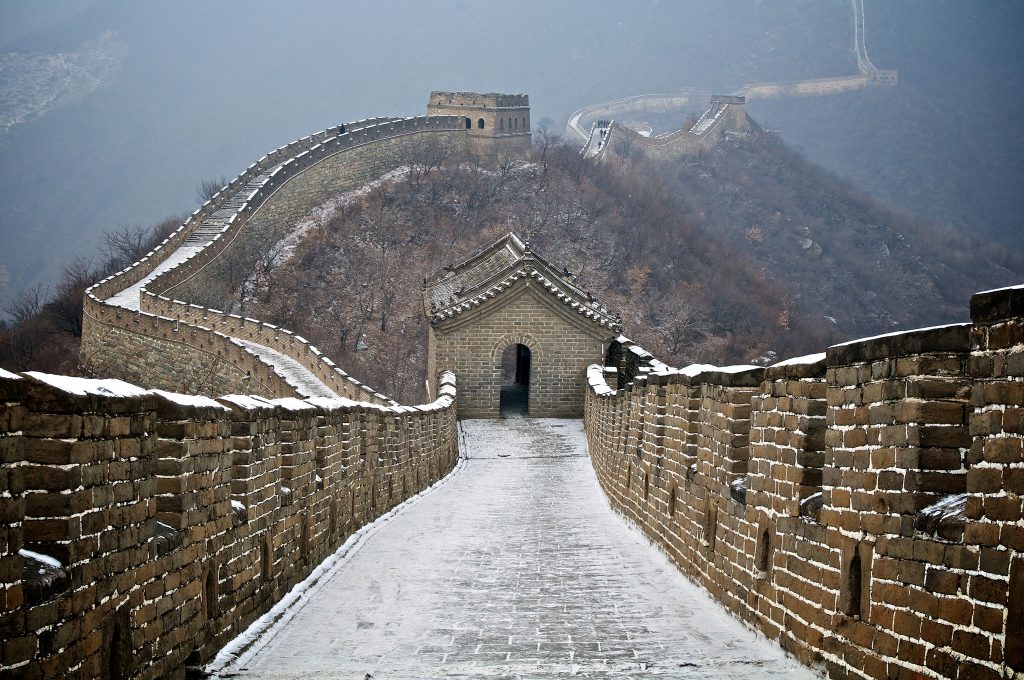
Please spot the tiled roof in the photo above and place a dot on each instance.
(496, 268)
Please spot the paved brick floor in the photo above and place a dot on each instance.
(515, 568)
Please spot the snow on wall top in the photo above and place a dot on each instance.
(897, 333)
(110, 387)
(106, 387)
(799, 361)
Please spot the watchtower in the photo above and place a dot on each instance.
(496, 124)
(517, 332)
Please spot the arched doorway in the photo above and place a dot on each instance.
(515, 381)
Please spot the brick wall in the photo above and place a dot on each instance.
(471, 347)
(175, 524)
(863, 507)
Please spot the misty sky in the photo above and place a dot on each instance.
(206, 88)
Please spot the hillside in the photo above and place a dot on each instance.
(131, 152)
(747, 253)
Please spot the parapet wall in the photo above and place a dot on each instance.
(443, 99)
(143, 531)
(862, 506)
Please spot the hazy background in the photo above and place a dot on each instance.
(192, 90)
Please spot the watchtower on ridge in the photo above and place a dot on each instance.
(496, 124)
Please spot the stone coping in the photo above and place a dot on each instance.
(134, 399)
(1001, 304)
(953, 338)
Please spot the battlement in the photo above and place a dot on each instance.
(476, 100)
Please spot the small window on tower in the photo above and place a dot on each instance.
(480, 123)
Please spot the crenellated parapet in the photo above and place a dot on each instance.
(145, 529)
(862, 505)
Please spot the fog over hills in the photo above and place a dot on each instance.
(204, 89)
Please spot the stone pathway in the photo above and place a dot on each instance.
(515, 568)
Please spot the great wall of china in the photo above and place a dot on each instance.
(144, 529)
(601, 128)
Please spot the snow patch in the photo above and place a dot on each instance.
(895, 333)
(294, 373)
(997, 290)
(190, 399)
(40, 557)
(292, 404)
(330, 403)
(696, 369)
(248, 401)
(595, 378)
(129, 297)
(8, 375)
(106, 387)
(799, 361)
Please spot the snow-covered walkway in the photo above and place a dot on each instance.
(515, 568)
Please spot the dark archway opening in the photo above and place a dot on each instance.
(210, 592)
(763, 552)
(119, 649)
(515, 381)
(469, 123)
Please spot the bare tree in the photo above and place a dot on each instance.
(543, 141)
(208, 188)
(124, 246)
(66, 306)
(26, 305)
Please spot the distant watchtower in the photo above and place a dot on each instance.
(497, 124)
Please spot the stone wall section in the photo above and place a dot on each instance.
(863, 507)
(995, 475)
(727, 115)
(178, 521)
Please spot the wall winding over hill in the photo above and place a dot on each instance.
(727, 114)
(134, 329)
(863, 506)
(143, 530)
